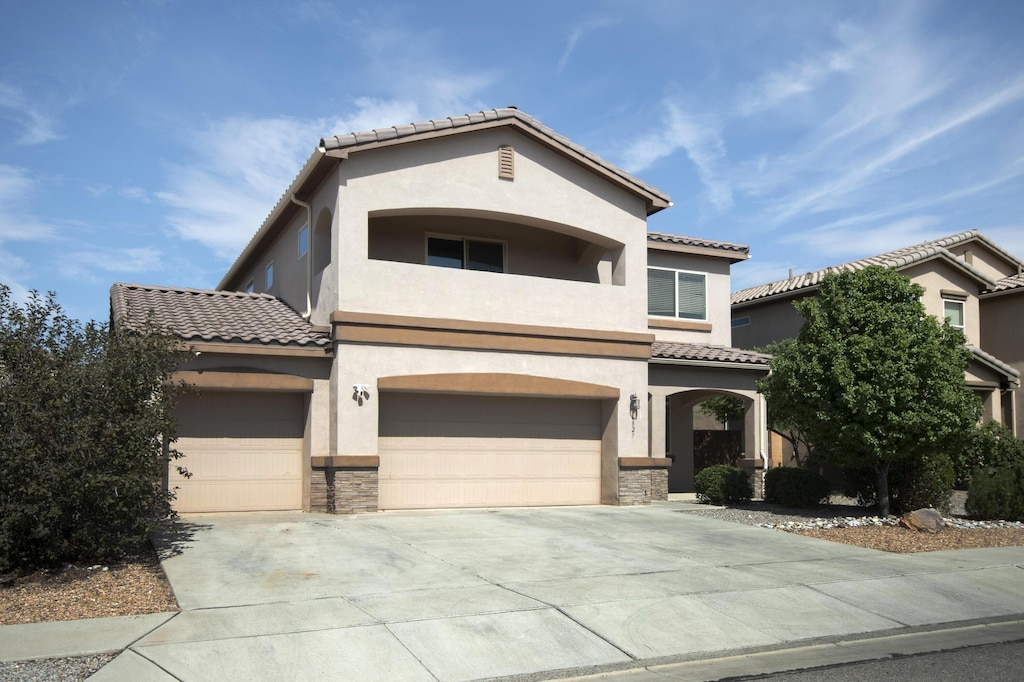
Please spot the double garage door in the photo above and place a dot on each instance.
(244, 451)
(439, 451)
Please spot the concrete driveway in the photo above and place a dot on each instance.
(466, 595)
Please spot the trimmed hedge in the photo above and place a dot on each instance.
(723, 484)
(794, 487)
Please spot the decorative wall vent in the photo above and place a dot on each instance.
(506, 162)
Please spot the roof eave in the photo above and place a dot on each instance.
(718, 364)
(314, 168)
(727, 254)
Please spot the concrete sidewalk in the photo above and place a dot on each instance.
(639, 593)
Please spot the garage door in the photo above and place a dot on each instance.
(244, 451)
(471, 451)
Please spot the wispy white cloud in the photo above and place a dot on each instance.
(17, 223)
(703, 145)
(96, 264)
(835, 243)
(577, 32)
(37, 125)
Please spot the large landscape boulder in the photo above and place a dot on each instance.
(923, 520)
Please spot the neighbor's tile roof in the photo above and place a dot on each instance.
(215, 316)
(661, 237)
(698, 352)
(899, 258)
(352, 140)
(1007, 284)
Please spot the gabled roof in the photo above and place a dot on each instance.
(203, 316)
(342, 145)
(676, 242)
(704, 354)
(333, 150)
(897, 260)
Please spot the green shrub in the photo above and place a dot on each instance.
(914, 483)
(723, 484)
(795, 487)
(997, 493)
(989, 445)
(83, 413)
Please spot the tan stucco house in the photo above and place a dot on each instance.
(465, 312)
(966, 278)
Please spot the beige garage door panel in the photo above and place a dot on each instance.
(461, 451)
(244, 452)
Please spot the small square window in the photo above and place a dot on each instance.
(954, 312)
(270, 276)
(303, 240)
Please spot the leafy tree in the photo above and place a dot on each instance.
(723, 408)
(785, 406)
(83, 416)
(871, 380)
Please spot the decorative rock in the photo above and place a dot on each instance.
(923, 521)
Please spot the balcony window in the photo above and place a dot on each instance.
(466, 254)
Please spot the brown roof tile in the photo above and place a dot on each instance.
(1007, 284)
(698, 352)
(893, 259)
(218, 316)
(661, 237)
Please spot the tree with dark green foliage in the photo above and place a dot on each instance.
(785, 407)
(84, 415)
(872, 380)
(723, 408)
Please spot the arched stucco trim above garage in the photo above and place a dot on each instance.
(496, 383)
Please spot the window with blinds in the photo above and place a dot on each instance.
(676, 293)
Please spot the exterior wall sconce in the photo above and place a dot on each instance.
(360, 393)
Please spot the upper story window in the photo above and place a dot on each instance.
(249, 287)
(677, 293)
(270, 276)
(303, 240)
(954, 312)
(466, 254)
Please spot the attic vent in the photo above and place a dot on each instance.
(506, 162)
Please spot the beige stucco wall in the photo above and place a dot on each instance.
(983, 259)
(356, 432)
(718, 286)
(770, 321)
(937, 276)
(1002, 319)
(457, 175)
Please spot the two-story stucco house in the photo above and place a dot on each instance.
(967, 279)
(465, 312)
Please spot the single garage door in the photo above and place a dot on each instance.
(440, 451)
(244, 451)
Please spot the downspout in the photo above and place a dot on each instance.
(309, 255)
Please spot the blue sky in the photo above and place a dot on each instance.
(146, 141)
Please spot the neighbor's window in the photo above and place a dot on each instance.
(466, 254)
(270, 276)
(677, 293)
(954, 312)
(740, 322)
(303, 240)
(249, 287)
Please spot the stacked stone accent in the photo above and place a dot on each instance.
(343, 490)
(640, 485)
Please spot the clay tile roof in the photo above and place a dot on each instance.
(217, 316)
(352, 140)
(899, 258)
(995, 363)
(661, 237)
(698, 353)
(1007, 284)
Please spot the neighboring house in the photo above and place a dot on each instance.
(967, 279)
(452, 314)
